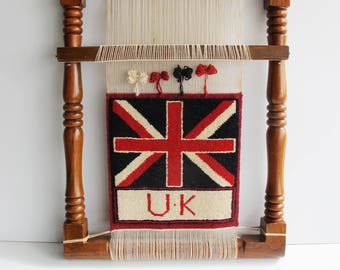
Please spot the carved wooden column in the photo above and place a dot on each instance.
(75, 225)
(276, 133)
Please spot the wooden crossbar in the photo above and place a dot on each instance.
(88, 54)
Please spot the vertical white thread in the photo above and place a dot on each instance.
(174, 22)
(143, 22)
(174, 244)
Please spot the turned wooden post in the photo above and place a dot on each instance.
(276, 95)
(75, 225)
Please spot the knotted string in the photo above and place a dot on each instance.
(205, 70)
(156, 77)
(181, 75)
(137, 78)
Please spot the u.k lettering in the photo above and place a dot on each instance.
(170, 205)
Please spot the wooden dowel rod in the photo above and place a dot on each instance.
(88, 54)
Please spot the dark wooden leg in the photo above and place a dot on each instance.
(273, 224)
(276, 133)
(272, 240)
(75, 225)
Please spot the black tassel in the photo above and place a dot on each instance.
(181, 75)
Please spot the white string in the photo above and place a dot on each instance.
(86, 238)
(174, 244)
(171, 22)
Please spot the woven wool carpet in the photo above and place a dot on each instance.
(173, 161)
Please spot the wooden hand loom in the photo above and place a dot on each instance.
(270, 242)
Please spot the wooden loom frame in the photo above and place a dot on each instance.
(270, 242)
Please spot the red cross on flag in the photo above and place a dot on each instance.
(196, 145)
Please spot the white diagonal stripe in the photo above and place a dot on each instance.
(218, 122)
(208, 170)
(133, 165)
(140, 119)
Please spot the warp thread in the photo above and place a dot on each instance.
(136, 38)
(190, 52)
(174, 244)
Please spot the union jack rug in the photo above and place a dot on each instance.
(173, 160)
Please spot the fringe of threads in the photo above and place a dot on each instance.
(174, 244)
(108, 53)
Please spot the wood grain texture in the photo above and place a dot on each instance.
(98, 248)
(79, 3)
(88, 54)
(276, 133)
(270, 243)
(75, 225)
(254, 246)
(276, 3)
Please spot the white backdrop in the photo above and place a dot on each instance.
(32, 170)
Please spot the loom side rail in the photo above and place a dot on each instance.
(75, 225)
(271, 241)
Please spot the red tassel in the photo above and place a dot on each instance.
(156, 77)
(201, 70)
(205, 70)
(165, 76)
